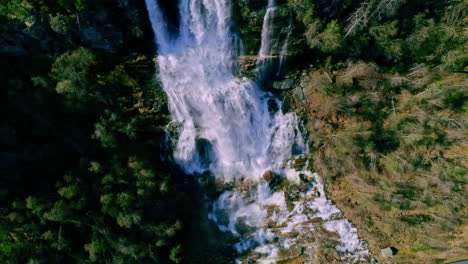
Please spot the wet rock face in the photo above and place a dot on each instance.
(171, 11)
(253, 4)
(248, 18)
(272, 179)
(280, 27)
(271, 38)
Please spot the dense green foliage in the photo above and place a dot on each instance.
(85, 174)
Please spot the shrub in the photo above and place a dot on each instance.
(456, 100)
(416, 219)
(309, 10)
(176, 254)
(331, 37)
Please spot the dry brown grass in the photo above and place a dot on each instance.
(413, 197)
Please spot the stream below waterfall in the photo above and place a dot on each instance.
(227, 126)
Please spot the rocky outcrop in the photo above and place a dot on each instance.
(289, 83)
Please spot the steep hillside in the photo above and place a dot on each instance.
(385, 106)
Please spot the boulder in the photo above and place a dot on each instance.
(285, 84)
(298, 94)
(272, 179)
(389, 252)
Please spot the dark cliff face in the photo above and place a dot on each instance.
(107, 26)
(170, 9)
(27, 51)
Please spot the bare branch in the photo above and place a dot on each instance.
(363, 14)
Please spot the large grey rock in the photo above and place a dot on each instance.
(389, 252)
(298, 94)
(285, 85)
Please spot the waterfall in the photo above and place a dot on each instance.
(228, 126)
(266, 48)
(284, 49)
(209, 102)
(274, 43)
(267, 45)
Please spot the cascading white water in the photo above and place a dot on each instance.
(197, 72)
(273, 44)
(284, 49)
(266, 48)
(243, 138)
